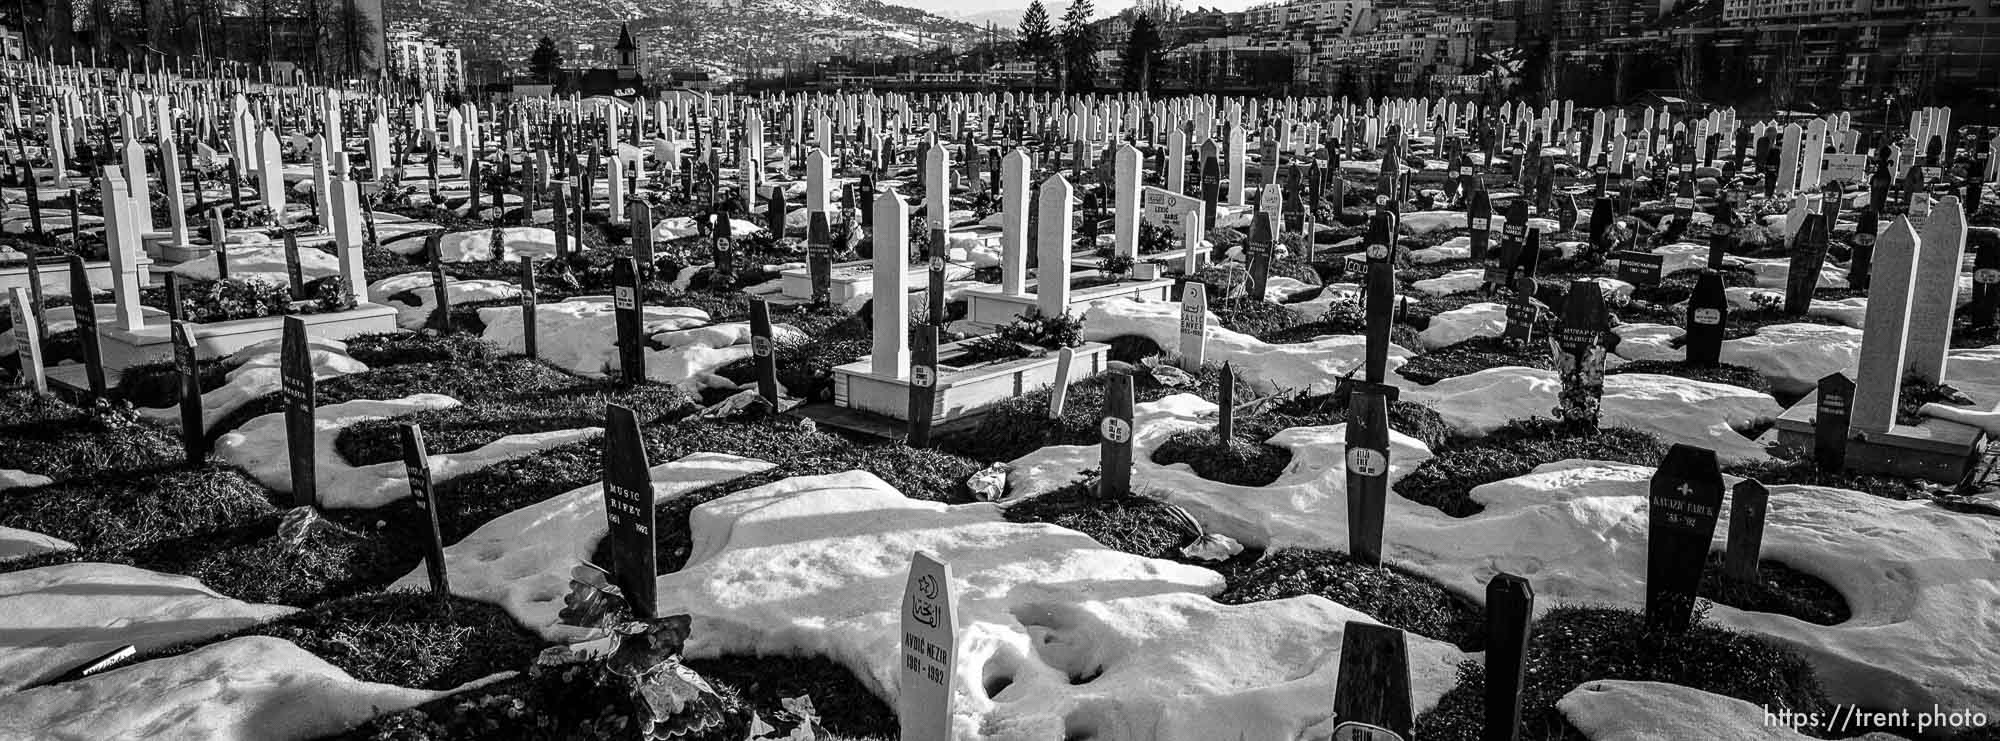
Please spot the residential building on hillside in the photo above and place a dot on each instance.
(426, 64)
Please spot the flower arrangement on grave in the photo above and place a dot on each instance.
(250, 218)
(90, 245)
(1026, 336)
(983, 204)
(1155, 239)
(88, 199)
(234, 298)
(1345, 314)
(250, 298)
(1114, 265)
(1582, 378)
(1916, 393)
(630, 669)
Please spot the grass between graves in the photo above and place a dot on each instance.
(1732, 375)
(1471, 356)
(536, 708)
(1781, 589)
(401, 637)
(1147, 527)
(476, 424)
(1791, 466)
(44, 435)
(1447, 479)
(1571, 645)
(1240, 462)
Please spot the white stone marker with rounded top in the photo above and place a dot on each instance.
(1125, 194)
(122, 232)
(818, 181)
(135, 177)
(1014, 169)
(1879, 380)
(937, 191)
(1052, 243)
(890, 353)
(170, 182)
(1937, 267)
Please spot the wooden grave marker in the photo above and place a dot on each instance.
(1579, 356)
(626, 290)
(628, 509)
(1831, 413)
(1522, 315)
(923, 384)
(528, 297)
(1639, 268)
(1257, 252)
(417, 470)
(1379, 298)
(301, 391)
(1808, 255)
(294, 271)
(1510, 614)
(762, 351)
(194, 432)
(1373, 687)
(1367, 471)
(1707, 317)
(1683, 503)
(819, 258)
(1479, 222)
(1749, 502)
(1115, 435)
(1225, 406)
(84, 308)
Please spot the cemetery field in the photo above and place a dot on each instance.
(869, 416)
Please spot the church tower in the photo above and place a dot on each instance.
(628, 51)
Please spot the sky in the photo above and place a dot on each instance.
(951, 8)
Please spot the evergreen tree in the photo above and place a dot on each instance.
(1037, 42)
(1079, 46)
(547, 60)
(1144, 53)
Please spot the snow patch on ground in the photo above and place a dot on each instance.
(258, 447)
(256, 376)
(1295, 508)
(1266, 366)
(1676, 409)
(522, 560)
(1456, 281)
(516, 242)
(254, 688)
(1793, 357)
(1483, 319)
(264, 263)
(1918, 578)
(1618, 710)
(420, 286)
(61, 616)
(1041, 606)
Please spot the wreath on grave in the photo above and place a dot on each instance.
(1155, 239)
(250, 218)
(630, 668)
(1026, 336)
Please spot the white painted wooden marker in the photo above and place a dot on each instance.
(1194, 326)
(929, 648)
